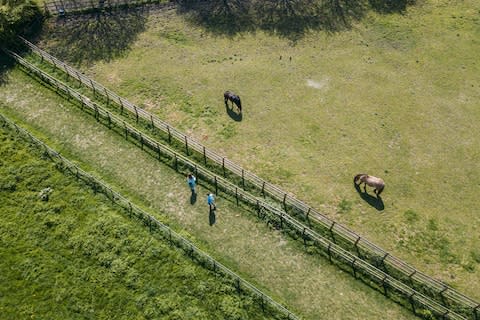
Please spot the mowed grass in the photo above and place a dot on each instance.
(395, 96)
(78, 256)
(307, 285)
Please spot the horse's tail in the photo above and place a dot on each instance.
(380, 189)
(239, 104)
(355, 179)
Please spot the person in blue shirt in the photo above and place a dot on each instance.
(211, 201)
(192, 182)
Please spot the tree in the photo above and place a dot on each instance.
(18, 17)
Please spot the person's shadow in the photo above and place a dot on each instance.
(375, 202)
(193, 198)
(211, 217)
(232, 114)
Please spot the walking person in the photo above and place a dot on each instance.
(192, 182)
(211, 201)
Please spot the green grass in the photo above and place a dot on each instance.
(395, 96)
(308, 285)
(76, 256)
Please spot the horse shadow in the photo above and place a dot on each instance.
(232, 114)
(211, 217)
(375, 202)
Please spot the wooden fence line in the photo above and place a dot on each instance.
(153, 223)
(63, 7)
(332, 250)
(391, 263)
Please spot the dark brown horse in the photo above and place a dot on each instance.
(228, 95)
(372, 181)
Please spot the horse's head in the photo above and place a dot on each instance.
(360, 177)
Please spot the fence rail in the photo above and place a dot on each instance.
(356, 244)
(357, 266)
(153, 223)
(63, 7)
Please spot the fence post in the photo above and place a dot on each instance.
(243, 179)
(384, 285)
(236, 194)
(263, 189)
(176, 162)
(329, 251)
(412, 303)
(169, 135)
(108, 98)
(153, 124)
(109, 120)
(353, 268)
(285, 202)
(410, 277)
(223, 166)
(216, 187)
(141, 140)
(136, 113)
(356, 247)
(303, 237)
(158, 151)
(126, 130)
(121, 105)
(186, 145)
(475, 312)
(204, 156)
(93, 88)
(331, 232)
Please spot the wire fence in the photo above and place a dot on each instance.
(65, 7)
(293, 207)
(267, 304)
(312, 241)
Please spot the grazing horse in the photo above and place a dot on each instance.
(372, 181)
(227, 95)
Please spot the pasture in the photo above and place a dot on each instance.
(78, 256)
(308, 285)
(395, 95)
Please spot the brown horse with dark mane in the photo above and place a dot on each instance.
(371, 181)
(230, 96)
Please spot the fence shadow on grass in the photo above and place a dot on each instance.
(84, 39)
(289, 19)
(375, 202)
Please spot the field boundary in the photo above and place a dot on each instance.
(363, 248)
(154, 224)
(362, 270)
(65, 7)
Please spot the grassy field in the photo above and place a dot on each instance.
(76, 256)
(309, 286)
(395, 95)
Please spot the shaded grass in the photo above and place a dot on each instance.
(395, 96)
(310, 285)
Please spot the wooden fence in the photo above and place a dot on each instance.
(64, 7)
(266, 302)
(337, 233)
(361, 269)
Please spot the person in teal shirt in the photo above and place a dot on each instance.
(192, 182)
(211, 201)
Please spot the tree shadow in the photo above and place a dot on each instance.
(236, 116)
(6, 63)
(288, 18)
(84, 39)
(375, 202)
(390, 6)
(211, 217)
